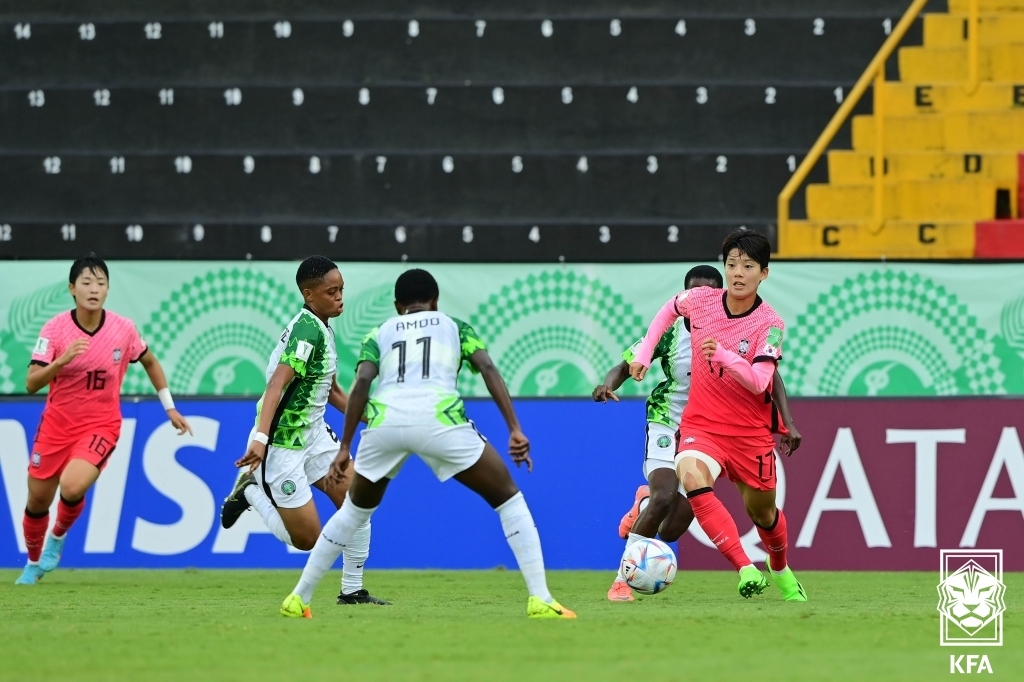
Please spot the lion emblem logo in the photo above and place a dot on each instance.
(971, 597)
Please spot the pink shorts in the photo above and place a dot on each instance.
(746, 459)
(48, 459)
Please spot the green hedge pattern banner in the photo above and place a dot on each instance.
(862, 329)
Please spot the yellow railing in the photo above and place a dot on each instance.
(874, 74)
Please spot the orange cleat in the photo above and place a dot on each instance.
(620, 591)
(626, 524)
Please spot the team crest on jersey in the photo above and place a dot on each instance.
(36, 459)
(744, 346)
(117, 355)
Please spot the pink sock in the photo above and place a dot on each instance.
(67, 513)
(775, 541)
(716, 521)
(34, 527)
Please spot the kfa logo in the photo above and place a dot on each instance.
(971, 599)
(744, 346)
(972, 663)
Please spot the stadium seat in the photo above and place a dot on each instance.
(576, 113)
(951, 149)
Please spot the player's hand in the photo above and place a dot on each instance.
(179, 422)
(604, 393)
(339, 467)
(77, 347)
(708, 348)
(637, 371)
(253, 456)
(791, 441)
(519, 449)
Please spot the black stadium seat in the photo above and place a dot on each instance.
(578, 115)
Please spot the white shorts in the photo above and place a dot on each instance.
(286, 474)
(661, 450)
(447, 450)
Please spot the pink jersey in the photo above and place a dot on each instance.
(86, 394)
(718, 402)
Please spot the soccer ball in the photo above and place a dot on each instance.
(649, 566)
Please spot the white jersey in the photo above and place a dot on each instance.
(307, 346)
(418, 357)
(669, 398)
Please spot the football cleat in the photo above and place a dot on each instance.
(235, 504)
(752, 582)
(620, 591)
(52, 551)
(292, 607)
(361, 597)
(538, 608)
(30, 576)
(626, 524)
(787, 583)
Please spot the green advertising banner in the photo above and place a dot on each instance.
(861, 329)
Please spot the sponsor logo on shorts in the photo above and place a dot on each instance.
(971, 598)
(288, 487)
(689, 439)
(36, 459)
(664, 441)
(117, 355)
(744, 346)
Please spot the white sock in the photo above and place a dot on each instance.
(630, 540)
(265, 508)
(337, 533)
(356, 552)
(521, 534)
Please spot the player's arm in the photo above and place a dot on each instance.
(753, 377)
(675, 308)
(518, 443)
(616, 376)
(159, 381)
(283, 375)
(790, 441)
(358, 397)
(41, 373)
(337, 398)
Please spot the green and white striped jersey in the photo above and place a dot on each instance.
(419, 357)
(667, 400)
(307, 346)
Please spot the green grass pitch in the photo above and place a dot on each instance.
(194, 626)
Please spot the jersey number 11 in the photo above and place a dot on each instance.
(400, 345)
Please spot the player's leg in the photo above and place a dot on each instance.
(87, 459)
(697, 466)
(357, 550)
(450, 453)
(757, 488)
(36, 520)
(678, 521)
(380, 457)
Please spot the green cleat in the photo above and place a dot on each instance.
(752, 582)
(292, 607)
(538, 608)
(787, 583)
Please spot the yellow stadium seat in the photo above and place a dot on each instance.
(852, 239)
(951, 30)
(985, 130)
(904, 99)
(986, 6)
(936, 200)
(857, 168)
(919, 132)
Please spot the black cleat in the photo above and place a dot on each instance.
(235, 504)
(361, 597)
